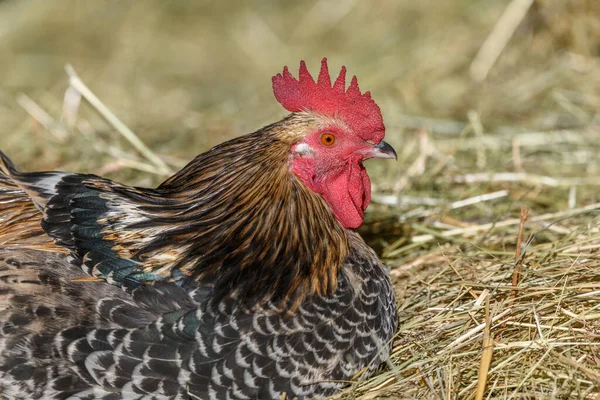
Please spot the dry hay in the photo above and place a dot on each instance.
(545, 331)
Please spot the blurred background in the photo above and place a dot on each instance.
(185, 75)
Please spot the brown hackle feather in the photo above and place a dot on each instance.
(234, 218)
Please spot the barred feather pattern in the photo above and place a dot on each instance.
(52, 347)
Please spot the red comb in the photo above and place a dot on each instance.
(357, 110)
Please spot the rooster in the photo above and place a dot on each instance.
(239, 277)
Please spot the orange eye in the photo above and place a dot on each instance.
(327, 139)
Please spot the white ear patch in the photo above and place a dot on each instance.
(303, 149)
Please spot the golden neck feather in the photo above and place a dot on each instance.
(241, 221)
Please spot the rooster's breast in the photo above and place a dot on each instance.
(328, 340)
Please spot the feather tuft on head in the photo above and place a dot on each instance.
(357, 110)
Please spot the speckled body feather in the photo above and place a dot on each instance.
(231, 280)
(91, 340)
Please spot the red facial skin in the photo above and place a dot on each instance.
(336, 172)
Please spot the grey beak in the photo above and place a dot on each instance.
(384, 150)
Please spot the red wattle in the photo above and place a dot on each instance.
(348, 194)
(347, 190)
